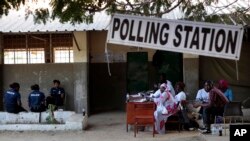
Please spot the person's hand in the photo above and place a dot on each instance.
(196, 104)
(151, 96)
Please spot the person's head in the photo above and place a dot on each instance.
(163, 78)
(208, 85)
(35, 87)
(15, 86)
(56, 83)
(223, 85)
(163, 87)
(179, 86)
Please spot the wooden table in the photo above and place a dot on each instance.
(130, 109)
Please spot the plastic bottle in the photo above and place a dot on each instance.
(217, 130)
(83, 112)
(220, 130)
(127, 97)
(213, 130)
(85, 121)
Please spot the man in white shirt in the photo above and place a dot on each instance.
(203, 94)
(203, 97)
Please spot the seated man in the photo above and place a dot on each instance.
(213, 107)
(202, 94)
(12, 99)
(36, 99)
(203, 97)
(57, 93)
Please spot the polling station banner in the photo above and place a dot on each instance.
(200, 38)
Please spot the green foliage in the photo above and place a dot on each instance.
(41, 15)
(51, 118)
(73, 11)
(78, 11)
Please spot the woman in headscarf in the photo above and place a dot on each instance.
(166, 106)
(223, 86)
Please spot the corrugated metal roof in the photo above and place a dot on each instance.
(15, 22)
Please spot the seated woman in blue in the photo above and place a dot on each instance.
(36, 99)
(223, 86)
(12, 99)
(57, 93)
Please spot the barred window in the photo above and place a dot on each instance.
(15, 56)
(38, 48)
(63, 54)
(36, 55)
(21, 56)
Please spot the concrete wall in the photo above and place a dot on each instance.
(81, 71)
(191, 74)
(1, 72)
(108, 92)
(81, 53)
(80, 87)
(216, 69)
(73, 76)
(70, 76)
(117, 53)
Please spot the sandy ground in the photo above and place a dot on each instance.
(105, 127)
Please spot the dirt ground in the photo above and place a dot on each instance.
(102, 127)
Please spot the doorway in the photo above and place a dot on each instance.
(137, 72)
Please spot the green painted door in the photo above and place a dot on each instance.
(137, 72)
(169, 63)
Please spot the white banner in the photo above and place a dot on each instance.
(216, 40)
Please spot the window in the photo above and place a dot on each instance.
(9, 56)
(38, 48)
(63, 54)
(19, 56)
(15, 56)
(36, 56)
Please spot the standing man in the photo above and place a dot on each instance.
(12, 99)
(36, 99)
(57, 93)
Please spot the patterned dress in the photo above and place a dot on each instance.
(166, 106)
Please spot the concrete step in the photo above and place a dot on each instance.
(37, 121)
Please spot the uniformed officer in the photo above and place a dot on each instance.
(36, 99)
(12, 99)
(57, 93)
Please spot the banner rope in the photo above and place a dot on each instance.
(237, 70)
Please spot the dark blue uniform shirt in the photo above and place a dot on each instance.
(11, 97)
(36, 98)
(56, 94)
